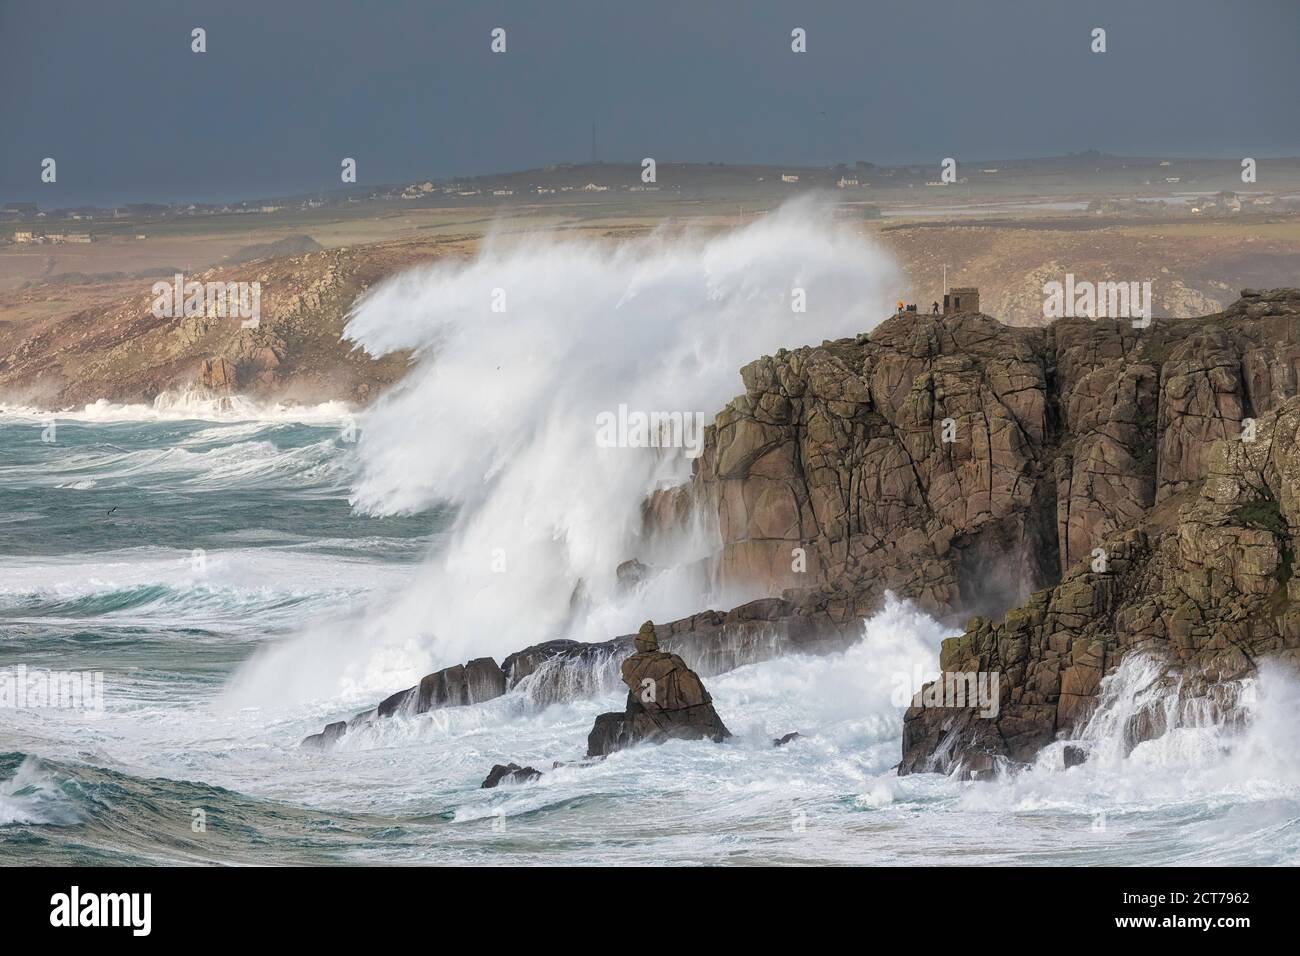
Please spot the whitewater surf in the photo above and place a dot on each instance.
(240, 574)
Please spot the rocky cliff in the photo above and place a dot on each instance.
(963, 463)
(1203, 584)
(121, 351)
(1118, 488)
(1085, 490)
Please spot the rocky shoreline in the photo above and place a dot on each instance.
(703, 644)
(1085, 490)
(121, 352)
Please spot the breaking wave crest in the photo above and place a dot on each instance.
(498, 417)
(190, 404)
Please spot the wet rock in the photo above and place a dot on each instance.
(327, 737)
(710, 642)
(559, 671)
(524, 663)
(978, 766)
(217, 375)
(608, 734)
(714, 642)
(631, 573)
(666, 701)
(782, 741)
(479, 680)
(457, 686)
(1203, 586)
(1074, 756)
(510, 773)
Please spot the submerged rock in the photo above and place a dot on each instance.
(782, 741)
(509, 773)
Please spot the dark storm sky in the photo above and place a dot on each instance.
(410, 89)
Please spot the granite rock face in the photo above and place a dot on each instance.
(973, 467)
(896, 461)
(964, 464)
(1087, 490)
(1204, 586)
(666, 700)
(471, 683)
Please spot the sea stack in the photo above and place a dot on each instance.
(666, 700)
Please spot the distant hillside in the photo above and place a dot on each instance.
(123, 353)
(288, 246)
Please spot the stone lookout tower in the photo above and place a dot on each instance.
(966, 299)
